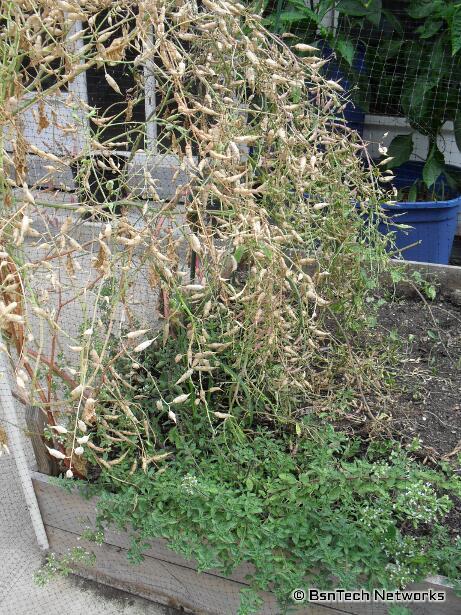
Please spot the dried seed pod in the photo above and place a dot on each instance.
(81, 425)
(58, 429)
(222, 415)
(194, 243)
(55, 453)
(77, 391)
(134, 334)
(88, 414)
(113, 84)
(185, 376)
(181, 398)
(304, 47)
(143, 345)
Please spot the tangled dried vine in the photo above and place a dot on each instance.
(256, 246)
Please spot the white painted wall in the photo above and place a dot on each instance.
(376, 126)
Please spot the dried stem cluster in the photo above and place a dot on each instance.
(265, 184)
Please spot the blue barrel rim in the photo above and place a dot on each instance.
(401, 205)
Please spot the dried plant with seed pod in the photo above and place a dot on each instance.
(191, 257)
(259, 243)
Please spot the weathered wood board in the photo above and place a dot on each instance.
(167, 578)
(448, 277)
(36, 423)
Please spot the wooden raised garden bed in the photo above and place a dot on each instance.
(167, 578)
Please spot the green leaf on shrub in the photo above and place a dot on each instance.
(352, 7)
(419, 9)
(288, 18)
(346, 50)
(239, 252)
(374, 12)
(371, 10)
(456, 31)
(429, 28)
(434, 167)
(400, 149)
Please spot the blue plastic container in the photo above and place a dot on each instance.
(433, 222)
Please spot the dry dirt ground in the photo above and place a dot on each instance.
(428, 402)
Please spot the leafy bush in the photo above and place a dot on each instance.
(322, 511)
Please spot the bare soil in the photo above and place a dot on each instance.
(427, 404)
(428, 400)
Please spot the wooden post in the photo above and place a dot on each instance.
(36, 423)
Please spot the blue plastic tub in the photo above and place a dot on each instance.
(433, 223)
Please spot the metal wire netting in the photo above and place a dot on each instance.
(115, 176)
(108, 201)
(400, 64)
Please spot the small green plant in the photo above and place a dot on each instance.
(427, 288)
(398, 274)
(298, 509)
(63, 565)
(93, 536)
(433, 335)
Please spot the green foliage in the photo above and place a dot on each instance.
(456, 31)
(63, 483)
(301, 509)
(370, 10)
(427, 92)
(419, 9)
(62, 565)
(400, 150)
(427, 287)
(346, 49)
(433, 167)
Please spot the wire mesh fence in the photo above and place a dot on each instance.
(144, 150)
(400, 64)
